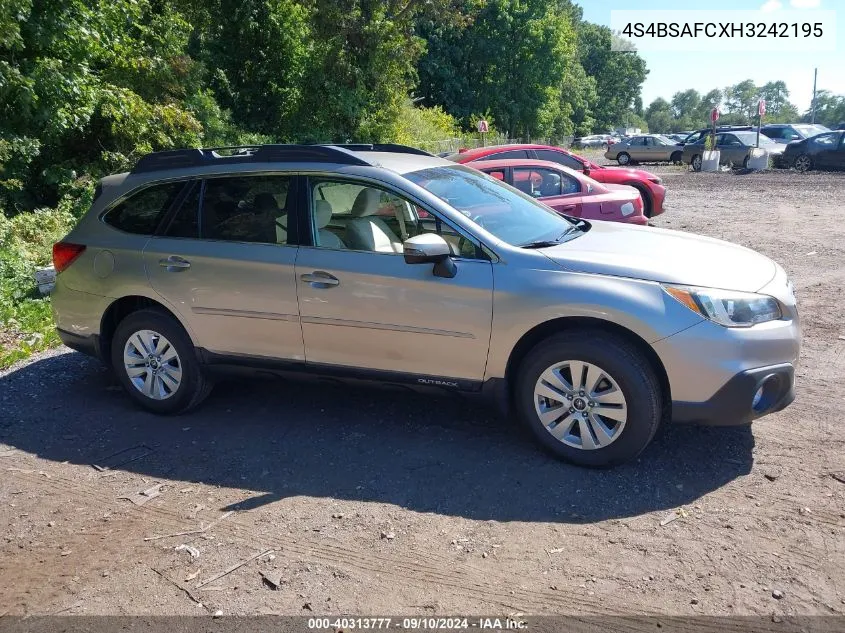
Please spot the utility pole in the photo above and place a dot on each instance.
(813, 107)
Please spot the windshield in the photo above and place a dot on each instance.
(498, 208)
(665, 140)
(810, 130)
(750, 138)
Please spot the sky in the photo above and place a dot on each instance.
(670, 73)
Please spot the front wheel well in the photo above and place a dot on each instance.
(645, 194)
(118, 311)
(567, 324)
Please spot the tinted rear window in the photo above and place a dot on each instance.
(507, 154)
(142, 212)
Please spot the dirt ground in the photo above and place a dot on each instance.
(386, 501)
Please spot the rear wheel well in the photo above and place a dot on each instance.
(118, 311)
(566, 324)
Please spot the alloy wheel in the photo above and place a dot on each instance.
(580, 405)
(152, 364)
(803, 163)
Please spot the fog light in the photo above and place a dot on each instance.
(757, 398)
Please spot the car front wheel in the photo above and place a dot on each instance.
(157, 364)
(803, 163)
(624, 158)
(589, 397)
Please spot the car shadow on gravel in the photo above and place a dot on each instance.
(425, 452)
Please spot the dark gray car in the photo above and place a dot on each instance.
(734, 149)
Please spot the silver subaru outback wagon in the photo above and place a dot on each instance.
(384, 262)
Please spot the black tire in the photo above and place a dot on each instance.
(194, 385)
(648, 205)
(676, 158)
(803, 163)
(696, 164)
(745, 162)
(623, 158)
(619, 359)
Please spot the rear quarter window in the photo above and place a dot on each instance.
(142, 212)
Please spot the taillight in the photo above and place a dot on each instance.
(64, 254)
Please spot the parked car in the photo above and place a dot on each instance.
(700, 135)
(677, 138)
(567, 191)
(386, 262)
(594, 140)
(650, 186)
(734, 148)
(651, 148)
(824, 151)
(787, 132)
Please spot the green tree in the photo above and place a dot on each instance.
(85, 87)
(741, 100)
(618, 75)
(830, 109)
(686, 104)
(659, 116)
(510, 57)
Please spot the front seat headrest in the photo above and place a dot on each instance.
(367, 202)
(322, 213)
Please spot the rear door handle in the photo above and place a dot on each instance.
(320, 279)
(174, 264)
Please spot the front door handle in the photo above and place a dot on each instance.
(320, 279)
(174, 264)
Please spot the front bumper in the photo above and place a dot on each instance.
(734, 404)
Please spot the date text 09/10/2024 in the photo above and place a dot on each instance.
(418, 624)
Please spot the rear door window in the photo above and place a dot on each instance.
(559, 157)
(142, 212)
(246, 209)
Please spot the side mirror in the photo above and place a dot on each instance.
(430, 248)
(586, 169)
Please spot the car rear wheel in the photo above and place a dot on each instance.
(676, 157)
(696, 162)
(803, 163)
(589, 397)
(623, 158)
(157, 363)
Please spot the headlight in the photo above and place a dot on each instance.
(656, 180)
(727, 307)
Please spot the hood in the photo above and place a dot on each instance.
(635, 174)
(652, 254)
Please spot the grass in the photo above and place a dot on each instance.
(26, 319)
(27, 328)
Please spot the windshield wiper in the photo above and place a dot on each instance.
(547, 243)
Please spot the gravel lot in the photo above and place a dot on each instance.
(387, 501)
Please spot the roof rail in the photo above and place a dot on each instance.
(183, 158)
(395, 148)
(343, 154)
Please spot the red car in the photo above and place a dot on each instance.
(649, 185)
(567, 191)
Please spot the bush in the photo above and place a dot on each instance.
(26, 323)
